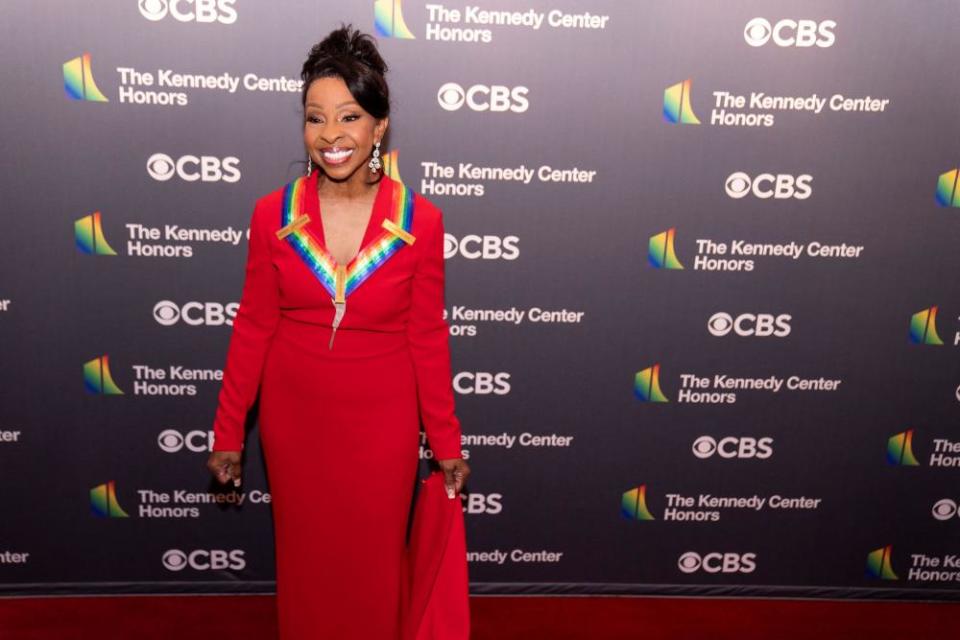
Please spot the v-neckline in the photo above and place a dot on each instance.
(376, 211)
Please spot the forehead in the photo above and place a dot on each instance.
(328, 92)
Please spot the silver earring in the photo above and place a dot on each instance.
(375, 160)
(309, 166)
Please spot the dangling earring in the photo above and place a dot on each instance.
(309, 166)
(374, 163)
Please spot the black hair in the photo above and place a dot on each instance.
(352, 56)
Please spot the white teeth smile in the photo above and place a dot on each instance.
(337, 155)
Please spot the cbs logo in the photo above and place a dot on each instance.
(768, 185)
(730, 447)
(761, 325)
(195, 314)
(790, 33)
(944, 509)
(203, 11)
(481, 383)
(204, 560)
(481, 97)
(162, 167)
(474, 247)
(172, 441)
(489, 503)
(691, 562)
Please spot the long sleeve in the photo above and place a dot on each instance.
(253, 329)
(428, 336)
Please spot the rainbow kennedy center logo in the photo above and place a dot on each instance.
(388, 20)
(661, 253)
(676, 104)
(742, 255)
(88, 232)
(923, 567)
(633, 504)
(97, 378)
(757, 109)
(923, 327)
(878, 564)
(945, 452)
(103, 501)
(646, 385)
(171, 380)
(473, 24)
(78, 80)
(708, 507)
(900, 450)
(947, 194)
(166, 241)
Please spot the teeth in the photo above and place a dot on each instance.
(337, 154)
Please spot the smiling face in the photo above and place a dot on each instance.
(339, 135)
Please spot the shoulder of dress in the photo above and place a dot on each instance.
(271, 200)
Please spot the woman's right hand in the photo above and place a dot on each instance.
(225, 465)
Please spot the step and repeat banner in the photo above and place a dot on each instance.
(701, 285)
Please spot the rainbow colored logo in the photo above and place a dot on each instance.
(391, 165)
(878, 564)
(900, 450)
(78, 80)
(947, 194)
(89, 235)
(662, 254)
(97, 378)
(646, 385)
(676, 104)
(923, 327)
(633, 504)
(103, 501)
(388, 20)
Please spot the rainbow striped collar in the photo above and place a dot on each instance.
(342, 280)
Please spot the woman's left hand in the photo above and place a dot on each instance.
(455, 474)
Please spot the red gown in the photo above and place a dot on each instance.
(340, 427)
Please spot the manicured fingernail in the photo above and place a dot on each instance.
(451, 493)
(236, 482)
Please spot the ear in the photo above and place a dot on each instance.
(380, 129)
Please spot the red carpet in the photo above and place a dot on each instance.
(494, 618)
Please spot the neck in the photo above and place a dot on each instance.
(355, 187)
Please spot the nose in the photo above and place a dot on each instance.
(330, 133)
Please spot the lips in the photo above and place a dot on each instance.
(335, 155)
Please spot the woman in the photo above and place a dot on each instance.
(341, 327)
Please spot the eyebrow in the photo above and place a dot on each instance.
(342, 104)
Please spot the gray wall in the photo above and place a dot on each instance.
(584, 98)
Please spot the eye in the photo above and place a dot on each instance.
(313, 119)
(350, 117)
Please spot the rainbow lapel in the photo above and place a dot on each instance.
(370, 258)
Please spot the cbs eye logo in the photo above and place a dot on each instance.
(204, 560)
(691, 562)
(730, 448)
(750, 324)
(168, 313)
(790, 33)
(944, 509)
(204, 11)
(190, 168)
(172, 441)
(480, 97)
(767, 185)
(473, 247)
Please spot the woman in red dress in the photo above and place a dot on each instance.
(341, 329)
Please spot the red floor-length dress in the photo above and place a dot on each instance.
(340, 426)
